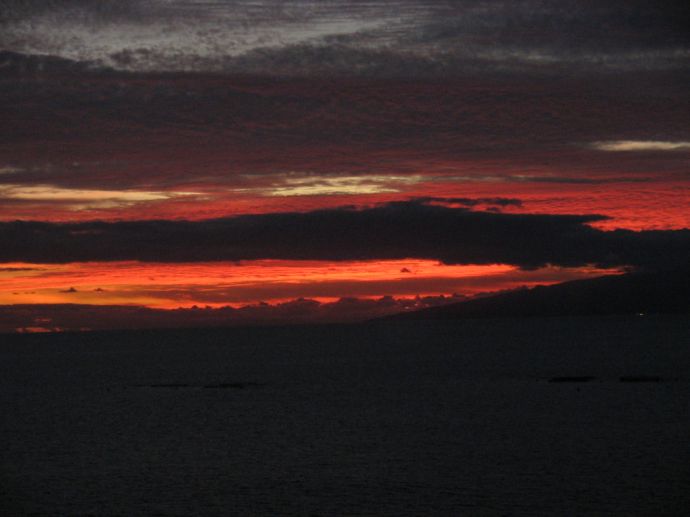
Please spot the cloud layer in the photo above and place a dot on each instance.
(344, 37)
(64, 317)
(159, 133)
(392, 231)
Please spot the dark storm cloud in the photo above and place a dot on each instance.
(133, 131)
(18, 10)
(570, 29)
(392, 231)
(471, 202)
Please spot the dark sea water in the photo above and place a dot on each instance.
(486, 417)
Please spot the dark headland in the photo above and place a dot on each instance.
(662, 292)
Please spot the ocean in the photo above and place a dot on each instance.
(534, 416)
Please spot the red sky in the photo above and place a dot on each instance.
(480, 121)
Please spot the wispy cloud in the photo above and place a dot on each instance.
(10, 170)
(83, 198)
(641, 145)
(315, 185)
(347, 37)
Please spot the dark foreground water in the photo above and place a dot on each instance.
(494, 417)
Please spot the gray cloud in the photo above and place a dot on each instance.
(385, 37)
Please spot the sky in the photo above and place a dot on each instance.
(215, 162)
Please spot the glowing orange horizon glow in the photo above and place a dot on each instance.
(169, 286)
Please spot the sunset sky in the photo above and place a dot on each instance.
(325, 161)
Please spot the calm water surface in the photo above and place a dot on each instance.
(581, 416)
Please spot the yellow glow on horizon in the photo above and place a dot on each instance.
(97, 197)
(641, 145)
(336, 185)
